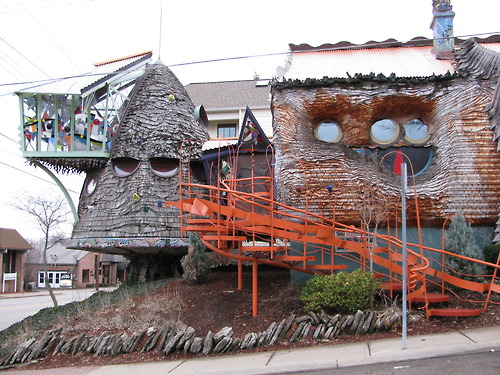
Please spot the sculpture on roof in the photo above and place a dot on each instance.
(441, 5)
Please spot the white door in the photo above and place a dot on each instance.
(54, 279)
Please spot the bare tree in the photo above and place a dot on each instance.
(49, 214)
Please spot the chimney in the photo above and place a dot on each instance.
(442, 29)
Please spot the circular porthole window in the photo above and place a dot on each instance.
(164, 167)
(90, 184)
(384, 131)
(328, 131)
(416, 131)
(124, 166)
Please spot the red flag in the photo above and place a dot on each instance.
(397, 163)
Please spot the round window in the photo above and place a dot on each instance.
(90, 184)
(124, 166)
(164, 167)
(416, 131)
(384, 131)
(328, 131)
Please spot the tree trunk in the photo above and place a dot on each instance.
(47, 284)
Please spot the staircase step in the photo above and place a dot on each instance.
(454, 312)
(432, 298)
(260, 248)
(294, 258)
(224, 238)
(327, 266)
(204, 228)
(387, 285)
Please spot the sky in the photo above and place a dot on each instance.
(41, 39)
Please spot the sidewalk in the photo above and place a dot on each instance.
(311, 358)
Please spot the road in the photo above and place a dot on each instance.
(15, 309)
(484, 363)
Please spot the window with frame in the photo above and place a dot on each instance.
(226, 131)
(85, 276)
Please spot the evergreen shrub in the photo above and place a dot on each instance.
(459, 240)
(196, 264)
(342, 291)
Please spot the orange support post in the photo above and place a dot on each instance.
(255, 288)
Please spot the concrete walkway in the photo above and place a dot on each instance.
(311, 358)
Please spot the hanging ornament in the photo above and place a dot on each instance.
(298, 189)
(136, 197)
(160, 203)
(171, 97)
(145, 209)
(330, 188)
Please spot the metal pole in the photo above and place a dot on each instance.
(403, 240)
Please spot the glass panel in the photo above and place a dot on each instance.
(123, 167)
(391, 158)
(164, 167)
(328, 131)
(416, 131)
(90, 184)
(226, 131)
(384, 131)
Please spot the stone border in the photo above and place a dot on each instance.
(168, 339)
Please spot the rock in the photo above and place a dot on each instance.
(328, 332)
(305, 332)
(318, 332)
(277, 332)
(222, 344)
(249, 341)
(304, 318)
(196, 345)
(314, 318)
(164, 333)
(296, 333)
(187, 345)
(346, 323)
(323, 317)
(357, 319)
(334, 320)
(172, 342)
(208, 343)
(225, 331)
(286, 327)
(269, 333)
(235, 344)
(188, 334)
(367, 323)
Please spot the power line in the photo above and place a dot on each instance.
(31, 175)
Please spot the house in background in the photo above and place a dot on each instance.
(225, 104)
(13, 249)
(75, 268)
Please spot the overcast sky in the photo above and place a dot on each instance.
(42, 39)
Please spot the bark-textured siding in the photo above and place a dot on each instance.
(463, 177)
(159, 122)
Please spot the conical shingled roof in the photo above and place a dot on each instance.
(160, 116)
(159, 122)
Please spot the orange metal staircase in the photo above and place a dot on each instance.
(250, 227)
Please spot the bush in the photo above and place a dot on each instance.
(491, 256)
(343, 291)
(460, 240)
(196, 264)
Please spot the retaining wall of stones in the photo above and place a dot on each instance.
(169, 339)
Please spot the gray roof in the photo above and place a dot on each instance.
(231, 94)
(10, 239)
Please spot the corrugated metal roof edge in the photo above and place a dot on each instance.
(326, 81)
(417, 41)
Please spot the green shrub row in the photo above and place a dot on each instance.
(342, 291)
